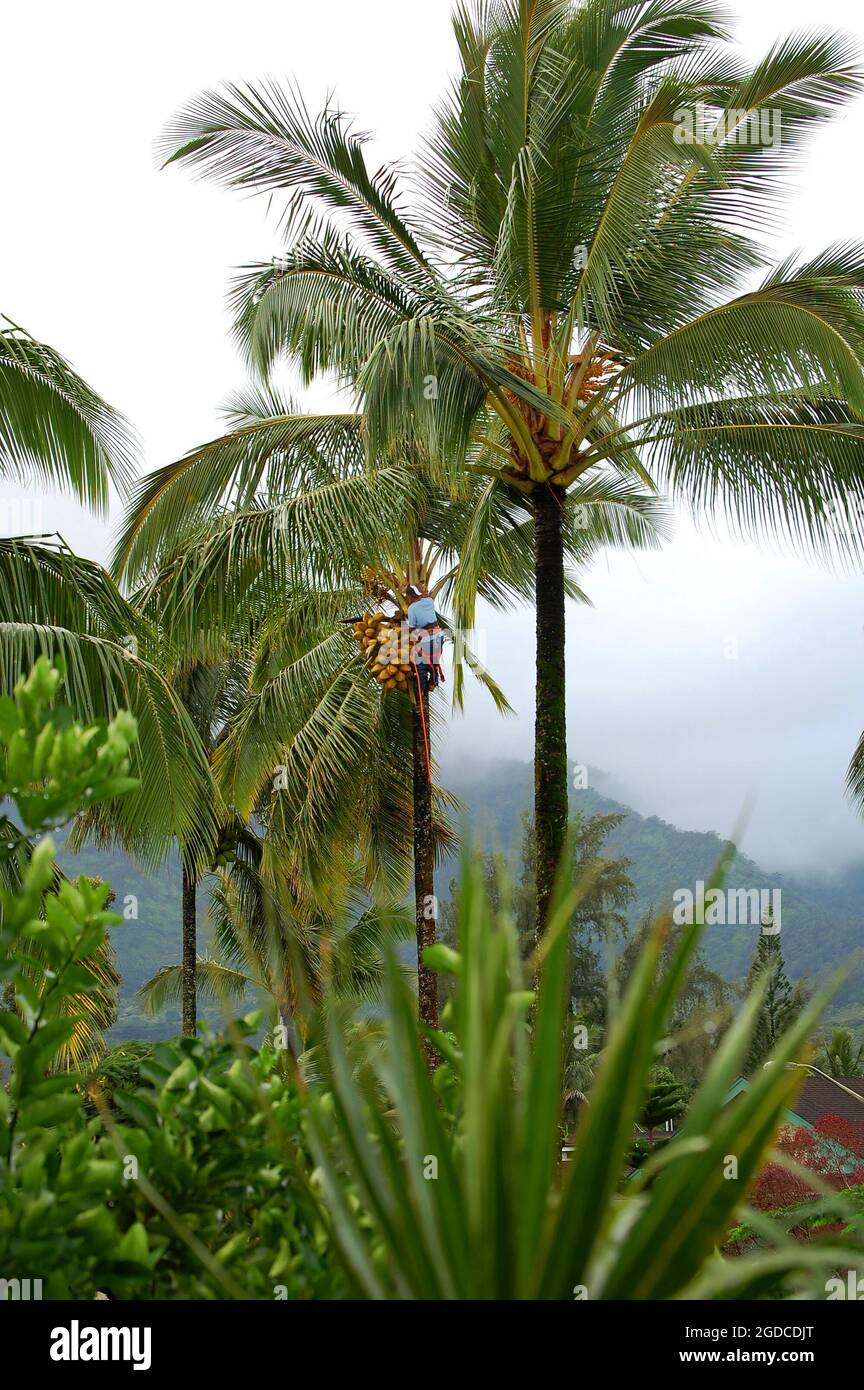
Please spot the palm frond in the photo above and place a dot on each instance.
(274, 451)
(54, 426)
(53, 603)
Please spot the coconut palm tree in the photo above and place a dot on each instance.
(54, 603)
(211, 693)
(271, 938)
(53, 425)
(315, 712)
(570, 284)
(187, 699)
(287, 510)
(385, 649)
(841, 1056)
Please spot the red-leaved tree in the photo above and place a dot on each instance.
(833, 1149)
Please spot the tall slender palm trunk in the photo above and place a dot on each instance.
(291, 1045)
(424, 875)
(550, 728)
(190, 953)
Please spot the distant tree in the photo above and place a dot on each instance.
(833, 1149)
(702, 1010)
(841, 1057)
(782, 1002)
(581, 1059)
(666, 1100)
(270, 935)
(840, 1151)
(600, 914)
(777, 1186)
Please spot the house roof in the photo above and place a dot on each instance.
(819, 1096)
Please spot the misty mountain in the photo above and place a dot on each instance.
(822, 919)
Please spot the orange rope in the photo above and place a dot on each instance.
(423, 720)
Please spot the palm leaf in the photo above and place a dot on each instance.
(53, 425)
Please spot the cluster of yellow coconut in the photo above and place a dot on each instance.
(383, 643)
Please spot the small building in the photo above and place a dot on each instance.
(818, 1096)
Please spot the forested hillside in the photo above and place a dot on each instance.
(822, 922)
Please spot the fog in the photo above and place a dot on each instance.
(709, 681)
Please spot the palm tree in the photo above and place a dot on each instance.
(239, 563)
(54, 426)
(211, 693)
(186, 699)
(841, 1056)
(855, 776)
(270, 937)
(568, 291)
(424, 568)
(286, 510)
(56, 604)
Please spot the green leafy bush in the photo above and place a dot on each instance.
(119, 1068)
(195, 1183)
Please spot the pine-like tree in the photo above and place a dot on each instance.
(667, 1100)
(782, 1002)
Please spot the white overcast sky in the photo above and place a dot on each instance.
(125, 270)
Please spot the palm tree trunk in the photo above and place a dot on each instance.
(190, 953)
(286, 1018)
(550, 729)
(424, 876)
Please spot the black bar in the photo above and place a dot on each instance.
(636, 1338)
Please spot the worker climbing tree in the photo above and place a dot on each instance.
(402, 650)
(400, 636)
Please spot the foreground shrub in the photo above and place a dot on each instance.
(162, 1190)
(470, 1200)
